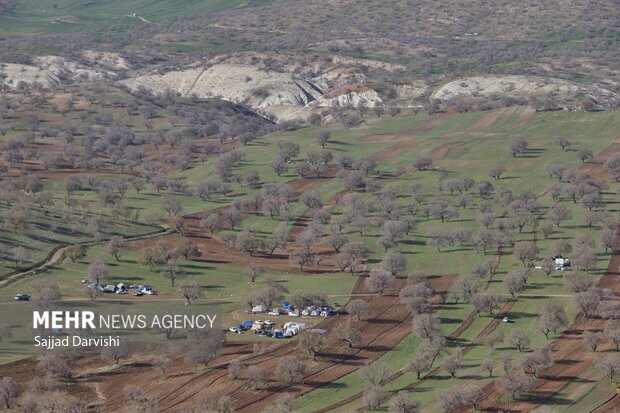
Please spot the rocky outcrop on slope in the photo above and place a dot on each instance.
(520, 87)
(350, 97)
(13, 76)
(244, 84)
(49, 72)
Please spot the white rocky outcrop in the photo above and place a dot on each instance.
(11, 75)
(247, 84)
(49, 72)
(368, 98)
(517, 86)
(110, 60)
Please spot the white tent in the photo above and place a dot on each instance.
(259, 309)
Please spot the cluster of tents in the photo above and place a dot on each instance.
(269, 328)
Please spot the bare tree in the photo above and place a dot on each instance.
(235, 368)
(592, 339)
(191, 290)
(312, 199)
(284, 404)
(163, 364)
(351, 256)
(311, 341)
(610, 365)
(172, 272)
(526, 252)
(589, 302)
(547, 265)
(98, 271)
(402, 403)
(536, 361)
(584, 258)
(323, 137)
(257, 376)
(337, 240)
(517, 146)
(518, 339)
(394, 262)
(213, 222)
(45, 293)
(473, 397)
(426, 326)
(233, 216)
(551, 318)
(564, 143)
(115, 247)
(489, 365)
(559, 213)
(134, 393)
(358, 308)
(578, 282)
(497, 171)
(466, 287)
(171, 205)
(186, 248)
(608, 238)
(374, 397)
(350, 335)
(515, 382)
(9, 390)
(612, 331)
(58, 362)
(21, 255)
(75, 252)
(5, 331)
(422, 163)
(302, 257)
(488, 301)
(452, 364)
(291, 369)
(452, 399)
(204, 346)
(419, 365)
(115, 353)
(585, 155)
(515, 282)
(253, 271)
(278, 238)
(380, 281)
(376, 373)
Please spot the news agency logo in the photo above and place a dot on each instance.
(59, 321)
(88, 320)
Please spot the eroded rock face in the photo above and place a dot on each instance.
(49, 72)
(368, 98)
(259, 89)
(518, 86)
(13, 76)
(110, 60)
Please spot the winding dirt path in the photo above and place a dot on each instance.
(57, 256)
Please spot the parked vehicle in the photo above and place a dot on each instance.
(22, 297)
